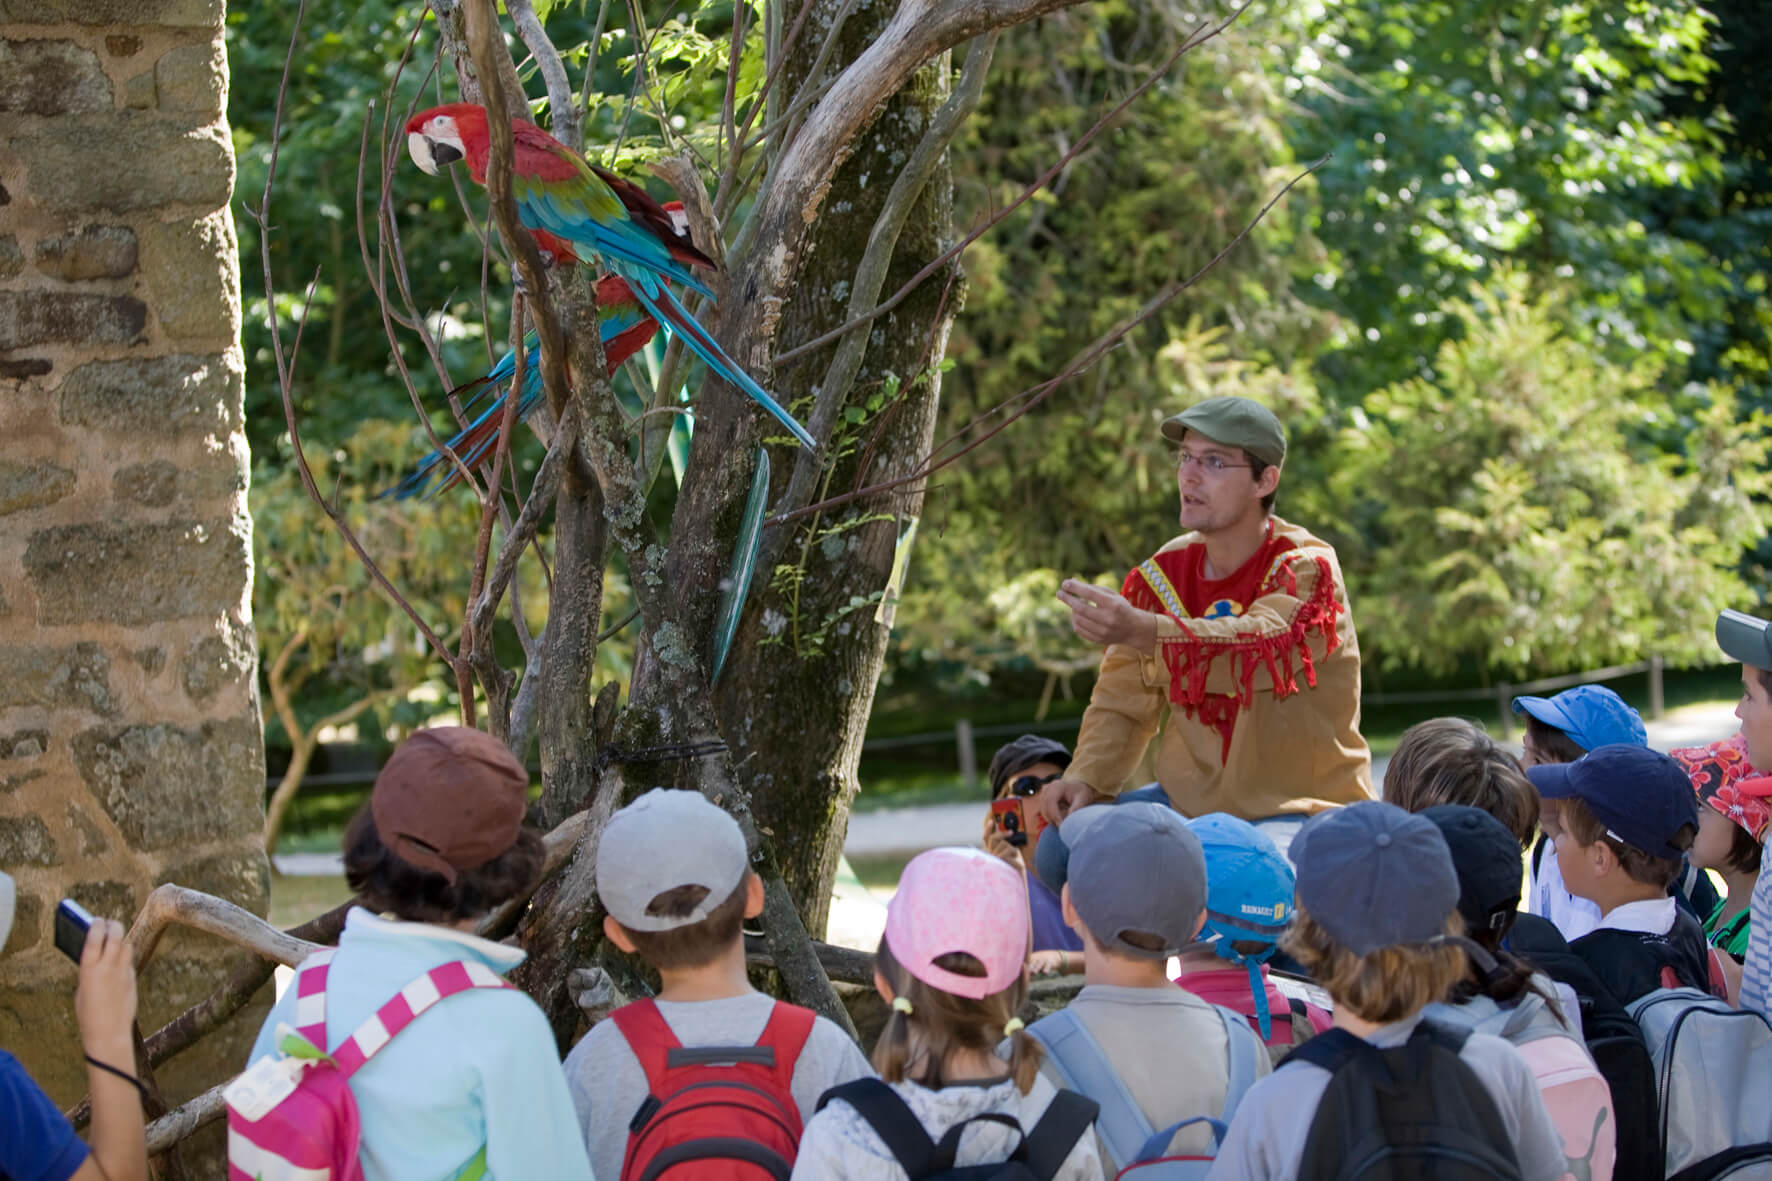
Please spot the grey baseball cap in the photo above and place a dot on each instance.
(664, 840)
(1746, 638)
(1012, 758)
(1375, 876)
(1136, 868)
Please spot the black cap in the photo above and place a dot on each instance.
(1642, 796)
(1487, 858)
(1012, 758)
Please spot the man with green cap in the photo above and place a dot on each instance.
(1233, 642)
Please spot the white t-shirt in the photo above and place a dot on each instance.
(839, 1145)
(607, 1085)
(1267, 1137)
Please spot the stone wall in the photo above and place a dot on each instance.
(130, 746)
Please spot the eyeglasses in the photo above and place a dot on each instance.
(1214, 464)
(1030, 785)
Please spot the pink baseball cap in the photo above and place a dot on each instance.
(959, 899)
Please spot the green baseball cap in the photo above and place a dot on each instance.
(1232, 422)
(1746, 638)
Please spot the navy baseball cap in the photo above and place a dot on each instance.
(1591, 715)
(1486, 857)
(1642, 796)
(1746, 638)
(1375, 876)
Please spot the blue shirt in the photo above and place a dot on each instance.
(479, 1068)
(36, 1143)
(1046, 913)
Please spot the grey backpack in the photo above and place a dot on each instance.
(1713, 1070)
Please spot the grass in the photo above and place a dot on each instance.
(295, 900)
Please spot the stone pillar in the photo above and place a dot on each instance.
(131, 752)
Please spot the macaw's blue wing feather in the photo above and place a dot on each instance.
(744, 564)
(587, 213)
(670, 312)
(474, 443)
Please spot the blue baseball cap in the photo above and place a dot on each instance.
(1249, 886)
(1591, 715)
(1374, 876)
(1642, 796)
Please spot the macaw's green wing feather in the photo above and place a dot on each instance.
(744, 564)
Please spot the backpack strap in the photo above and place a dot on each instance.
(649, 1037)
(1066, 1121)
(310, 997)
(1242, 1046)
(1331, 1050)
(785, 1037)
(1082, 1066)
(892, 1121)
(380, 1027)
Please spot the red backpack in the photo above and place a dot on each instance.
(714, 1113)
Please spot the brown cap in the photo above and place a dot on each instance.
(450, 799)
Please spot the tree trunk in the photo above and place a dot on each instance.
(795, 695)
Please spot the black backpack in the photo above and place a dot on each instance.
(1412, 1111)
(1037, 1157)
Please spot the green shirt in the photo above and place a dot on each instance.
(1732, 935)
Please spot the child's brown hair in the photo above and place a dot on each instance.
(1387, 985)
(1554, 744)
(698, 943)
(1451, 761)
(1580, 822)
(915, 1044)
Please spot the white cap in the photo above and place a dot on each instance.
(6, 904)
(662, 841)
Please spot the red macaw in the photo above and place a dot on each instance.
(572, 206)
(625, 328)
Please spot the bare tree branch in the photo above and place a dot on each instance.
(562, 110)
(171, 904)
(285, 367)
(876, 261)
(1034, 395)
(1194, 40)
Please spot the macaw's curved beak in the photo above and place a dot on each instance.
(431, 155)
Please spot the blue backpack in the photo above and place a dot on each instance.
(1139, 1149)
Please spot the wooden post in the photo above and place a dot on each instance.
(968, 754)
(1657, 699)
(1504, 705)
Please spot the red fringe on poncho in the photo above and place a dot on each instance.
(1189, 657)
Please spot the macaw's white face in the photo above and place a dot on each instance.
(436, 144)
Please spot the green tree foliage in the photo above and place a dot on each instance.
(333, 648)
(1514, 512)
(1556, 138)
(1083, 485)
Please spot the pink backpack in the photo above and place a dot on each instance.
(292, 1114)
(1575, 1093)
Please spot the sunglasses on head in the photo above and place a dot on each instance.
(1030, 785)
